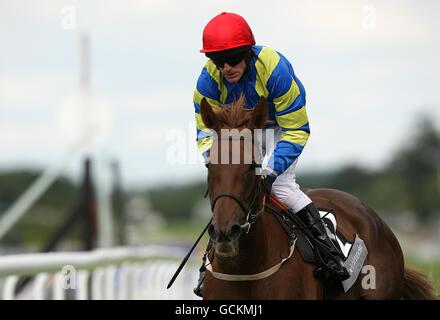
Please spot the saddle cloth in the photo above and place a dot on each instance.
(354, 251)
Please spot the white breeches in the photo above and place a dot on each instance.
(285, 187)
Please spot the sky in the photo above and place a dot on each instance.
(370, 69)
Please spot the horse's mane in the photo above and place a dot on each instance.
(235, 115)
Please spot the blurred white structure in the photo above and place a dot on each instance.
(120, 273)
(141, 220)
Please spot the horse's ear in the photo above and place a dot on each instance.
(260, 113)
(208, 115)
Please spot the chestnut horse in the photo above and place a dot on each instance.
(235, 188)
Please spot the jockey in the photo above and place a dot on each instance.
(237, 66)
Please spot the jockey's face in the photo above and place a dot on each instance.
(233, 74)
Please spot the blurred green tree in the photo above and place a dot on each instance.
(177, 203)
(45, 216)
(417, 163)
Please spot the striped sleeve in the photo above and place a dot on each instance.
(289, 99)
(207, 87)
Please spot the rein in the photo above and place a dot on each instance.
(250, 219)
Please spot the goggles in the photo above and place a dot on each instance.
(232, 60)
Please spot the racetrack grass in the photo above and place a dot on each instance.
(429, 268)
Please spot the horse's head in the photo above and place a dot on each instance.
(233, 184)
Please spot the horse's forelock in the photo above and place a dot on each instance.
(235, 116)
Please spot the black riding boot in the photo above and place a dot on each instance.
(310, 215)
(198, 290)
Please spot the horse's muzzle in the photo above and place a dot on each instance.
(225, 242)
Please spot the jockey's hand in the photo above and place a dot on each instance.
(269, 179)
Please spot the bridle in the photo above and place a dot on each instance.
(251, 216)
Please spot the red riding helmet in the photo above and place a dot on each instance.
(226, 31)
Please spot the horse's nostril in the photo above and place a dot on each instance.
(235, 232)
(212, 233)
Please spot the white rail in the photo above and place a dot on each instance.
(114, 273)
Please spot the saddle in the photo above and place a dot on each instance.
(354, 251)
